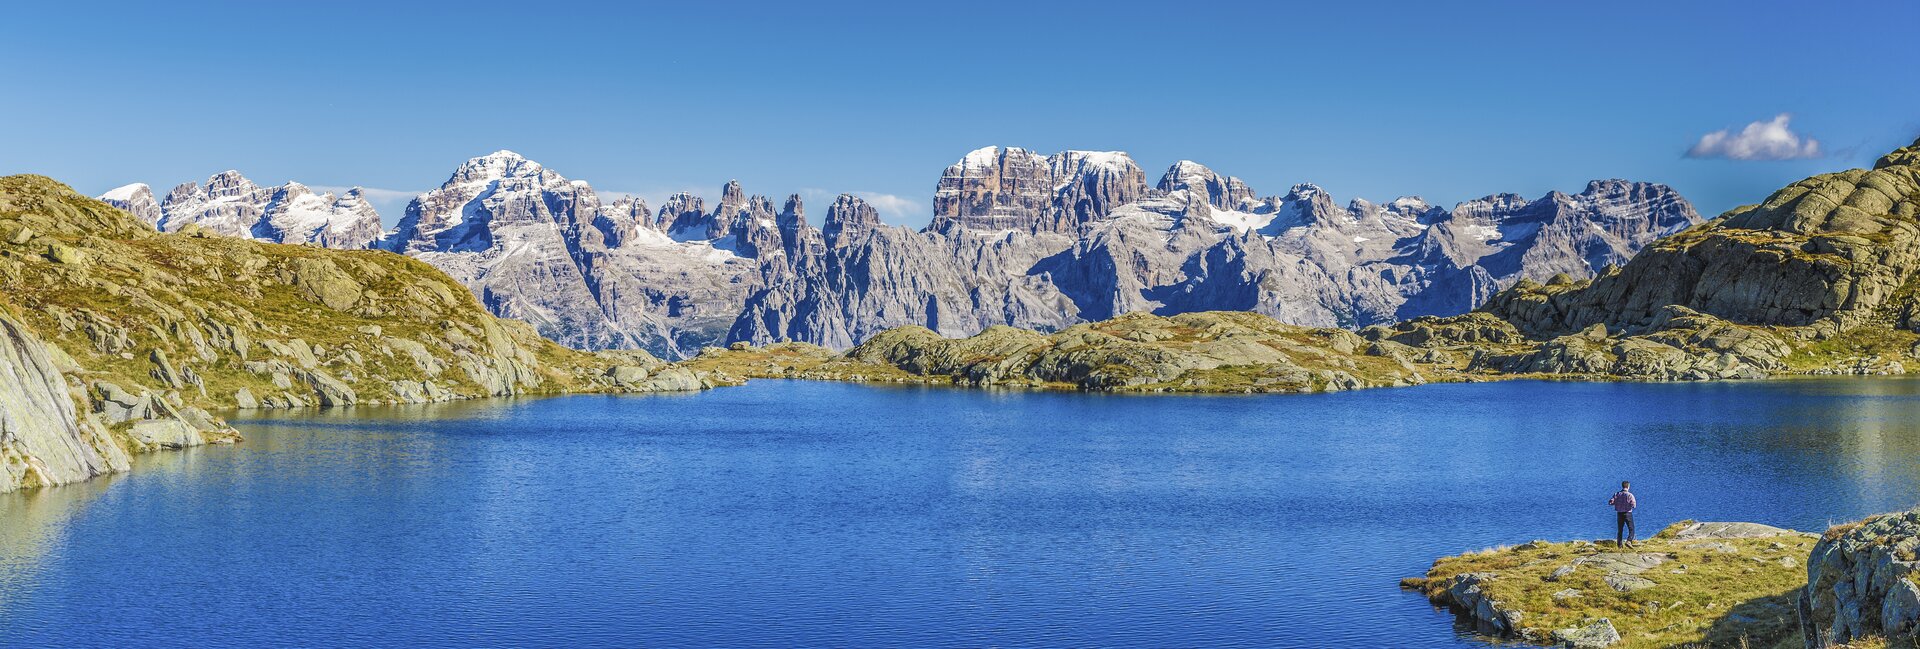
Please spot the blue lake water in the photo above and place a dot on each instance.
(803, 514)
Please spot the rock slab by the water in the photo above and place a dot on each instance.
(42, 439)
(1669, 591)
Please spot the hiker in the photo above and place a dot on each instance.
(1623, 504)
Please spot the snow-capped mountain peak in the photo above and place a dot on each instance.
(137, 199)
(233, 205)
(498, 165)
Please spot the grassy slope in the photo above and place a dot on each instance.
(1718, 600)
(109, 291)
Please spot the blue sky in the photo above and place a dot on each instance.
(1445, 100)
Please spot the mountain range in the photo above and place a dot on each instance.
(1016, 238)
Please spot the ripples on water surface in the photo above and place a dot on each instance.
(792, 513)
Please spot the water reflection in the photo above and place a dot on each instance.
(33, 526)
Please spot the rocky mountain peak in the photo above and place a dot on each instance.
(1074, 162)
(498, 165)
(137, 199)
(228, 184)
(185, 192)
(1409, 204)
(353, 197)
(621, 221)
(1219, 191)
(793, 215)
(1304, 192)
(1088, 185)
(732, 194)
(684, 216)
(1307, 203)
(232, 205)
(294, 190)
(761, 208)
(848, 218)
(1490, 205)
(995, 188)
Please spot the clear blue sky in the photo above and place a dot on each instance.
(1445, 100)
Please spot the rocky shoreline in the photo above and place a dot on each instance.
(117, 340)
(1695, 584)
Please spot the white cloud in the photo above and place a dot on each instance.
(894, 209)
(1766, 140)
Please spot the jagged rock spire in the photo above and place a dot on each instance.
(847, 219)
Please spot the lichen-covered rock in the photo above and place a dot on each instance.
(1598, 635)
(1466, 594)
(1696, 530)
(1863, 581)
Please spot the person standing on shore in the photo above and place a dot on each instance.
(1623, 504)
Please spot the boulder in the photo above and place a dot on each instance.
(164, 371)
(64, 254)
(322, 281)
(164, 434)
(1707, 530)
(672, 379)
(328, 390)
(1861, 582)
(1466, 594)
(627, 375)
(1598, 635)
(116, 405)
(1626, 563)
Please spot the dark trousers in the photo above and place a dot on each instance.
(1622, 527)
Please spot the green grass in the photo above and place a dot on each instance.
(1718, 600)
(1854, 346)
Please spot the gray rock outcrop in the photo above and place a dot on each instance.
(1598, 635)
(1863, 581)
(43, 441)
(54, 431)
